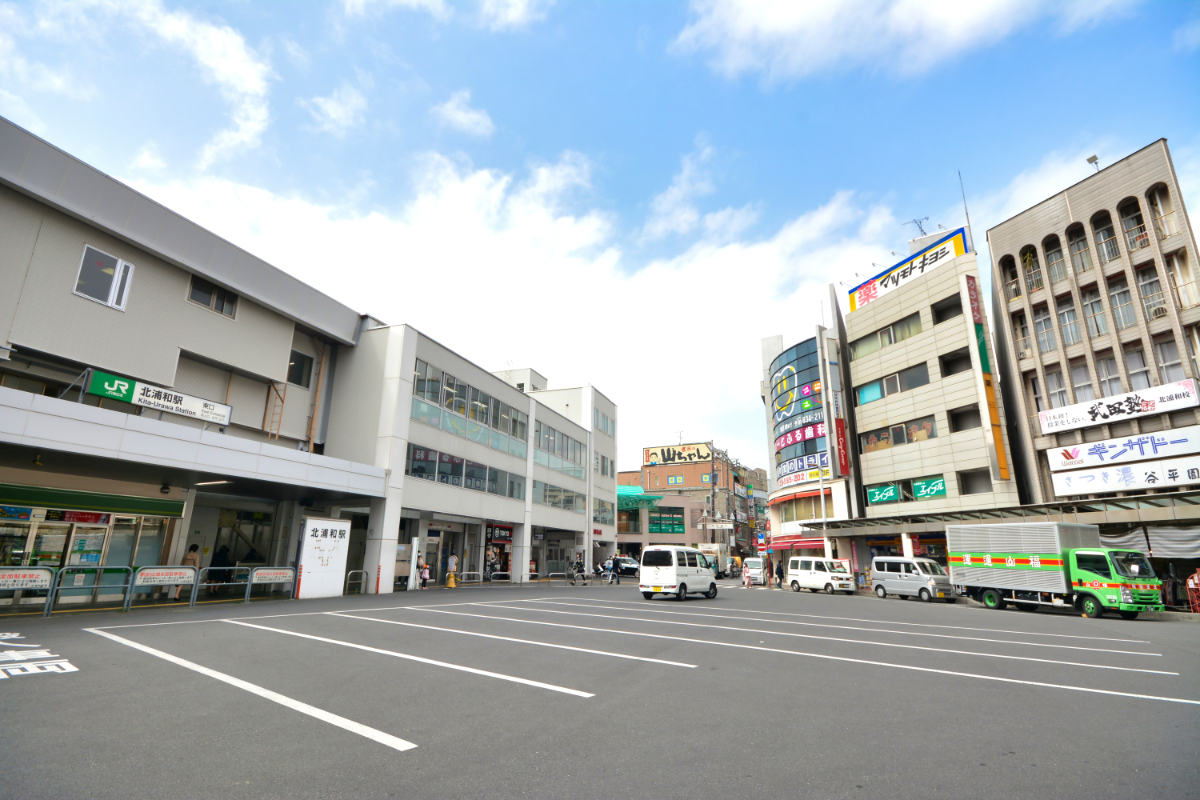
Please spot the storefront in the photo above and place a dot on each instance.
(498, 550)
(925, 545)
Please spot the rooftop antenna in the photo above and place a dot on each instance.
(918, 222)
(681, 437)
(964, 196)
(1093, 161)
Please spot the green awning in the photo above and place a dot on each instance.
(630, 498)
(45, 497)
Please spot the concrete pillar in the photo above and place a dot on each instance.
(383, 532)
(179, 544)
(906, 543)
(522, 542)
(828, 547)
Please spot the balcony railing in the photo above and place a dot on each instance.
(1155, 305)
(1137, 238)
(1024, 348)
(1012, 289)
(1056, 266)
(1108, 249)
(1188, 294)
(1034, 280)
(1165, 225)
(1081, 259)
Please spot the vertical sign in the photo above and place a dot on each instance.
(984, 382)
(324, 544)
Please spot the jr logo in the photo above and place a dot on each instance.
(117, 387)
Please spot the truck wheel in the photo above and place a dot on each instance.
(880, 592)
(712, 591)
(795, 586)
(1128, 614)
(925, 596)
(993, 600)
(648, 595)
(1091, 607)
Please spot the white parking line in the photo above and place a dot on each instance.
(889, 622)
(842, 640)
(385, 739)
(346, 615)
(419, 659)
(845, 627)
(833, 658)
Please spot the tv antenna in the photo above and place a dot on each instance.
(1094, 162)
(918, 222)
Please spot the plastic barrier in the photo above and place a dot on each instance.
(99, 572)
(162, 576)
(362, 582)
(23, 579)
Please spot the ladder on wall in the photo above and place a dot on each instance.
(273, 413)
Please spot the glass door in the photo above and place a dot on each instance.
(86, 549)
(149, 550)
(14, 541)
(118, 552)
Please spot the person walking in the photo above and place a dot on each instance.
(425, 577)
(616, 570)
(219, 559)
(779, 574)
(190, 559)
(745, 576)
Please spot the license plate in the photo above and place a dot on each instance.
(656, 588)
(941, 594)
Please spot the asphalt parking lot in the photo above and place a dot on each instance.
(593, 691)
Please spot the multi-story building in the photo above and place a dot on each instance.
(1096, 293)
(652, 518)
(927, 421)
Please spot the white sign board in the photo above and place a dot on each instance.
(807, 476)
(1124, 449)
(324, 544)
(165, 576)
(25, 577)
(274, 575)
(1142, 403)
(1127, 477)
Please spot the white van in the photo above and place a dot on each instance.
(676, 570)
(819, 574)
(755, 567)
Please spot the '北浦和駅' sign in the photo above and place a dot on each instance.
(1125, 449)
(128, 390)
(938, 253)
(1142, 403)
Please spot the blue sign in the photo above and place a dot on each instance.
(15, 512)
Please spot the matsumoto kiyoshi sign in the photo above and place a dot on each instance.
(802, 462)
(938, 253)
(1122, 478)
(143, 394)
(1144, 402)
(1124, 449)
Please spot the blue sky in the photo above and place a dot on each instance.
(634, 194)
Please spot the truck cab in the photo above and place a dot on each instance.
(1107, 579)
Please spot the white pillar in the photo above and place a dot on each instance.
(179, 544)
(383, 533)
(828, 547)
(906, 542)
(518, 562)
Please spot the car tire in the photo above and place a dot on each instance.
(814, 591)
(829, 588)
(951, 599)
(902, 596)
(992, 599)
(648, 595)
(880, 592)
(1091, 607)
(1128, 614)
(795, 586)
(681, 592)
(712, 591)
(925, 596)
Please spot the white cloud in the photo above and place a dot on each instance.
(437, 8)
(674, 212)
(509, 244)
(340, 112)
(457, 113)
(295, 53)
(785, 39)
(148, 159)
(1188, 37)
(502, 14)
(32, 77)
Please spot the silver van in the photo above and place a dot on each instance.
(911, 577)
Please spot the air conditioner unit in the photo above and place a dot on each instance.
(1024, 354)
(1159, 312)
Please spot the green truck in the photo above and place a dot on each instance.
(1054, 564)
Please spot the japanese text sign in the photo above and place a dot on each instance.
(938, 253)
(143, 394)
(323, 551)
(1123, 449)
(1128, 477)
(1144, 402)
(674, 455)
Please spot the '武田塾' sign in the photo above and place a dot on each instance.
(1142, 403)
(142, 394)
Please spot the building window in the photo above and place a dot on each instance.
(1068, 322)
(956, 362)
(1151, 293)
(213, 297)
(1036, 387)
(1044, 329)
(910, 378)
(104, 278)
(1139, 372)
(947, 309)
(300, 369)
(975, 481)
(1170, 365)
(1122, 303)
(1093, 311)
(1056, 389)
(896, 332)
(965, 418)
(603, 512)
(1081, 382)
(917, 430)
(1110, 378)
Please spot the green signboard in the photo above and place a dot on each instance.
(884, 493)
(929, 487)
(111, 386)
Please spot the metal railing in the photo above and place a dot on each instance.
(561, 575)
(1012, 289)
(235, 572)
(506, 579)
(1188, 294)
(1024, 347)
(1108, 250)
(1137, 238)
(1034, 280)
(1155, 305)
(1165, 225)
(362, 582)
(463, 579)
(1081, 259)
(95, 587)
(1056, 266)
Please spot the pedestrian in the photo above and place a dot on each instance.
(425, 576)
(190, 559)
(219, 559)
(616, 570)
(745, 576)
(779, 574)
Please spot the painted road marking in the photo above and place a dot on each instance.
(510, 639)
(406, 656)
(847, 627)
(385, 739)
(843, 640)
(846, 659)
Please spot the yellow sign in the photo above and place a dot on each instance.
(677, 454)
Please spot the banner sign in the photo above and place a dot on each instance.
(684, 453)
(324, 545)
(85, 517)
(143, 394)
(843, 450)
(984, 384)
(1124, 449)
(280, 575)
(165, 576)
(1143, 475)
(810, 461)
(15, 512)
(886, 493)
(938, 253)
(500, 533)
(800, 435)
(1144, 402)
(929, 487)
(806, 476)
(807, 418)
(739, 490)
(25, 577)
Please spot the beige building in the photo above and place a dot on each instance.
(1096, 294)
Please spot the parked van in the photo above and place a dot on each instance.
(755, 567)
(819, 574)
(679, 571)
(911, 577)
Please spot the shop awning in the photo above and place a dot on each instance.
(630, 498)
(783, 498)
(796, 543)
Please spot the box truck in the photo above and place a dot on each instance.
(1055, 564)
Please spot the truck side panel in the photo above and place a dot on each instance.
(1019, 556)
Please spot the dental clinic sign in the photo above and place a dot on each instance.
(1142, 403)
(142, 394)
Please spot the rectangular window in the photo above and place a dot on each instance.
(1044, 328)
(300, 369)
(1153, 302)
(1056, 389)
(450, 469)
(480, 407)
(947, 309)
(213, 297)
(104, 278)
(475, 476)
(1095, 563)
(1081, 382)
(917, 430)
(956, 362)
(520, 425)
(497, 482)
(494, 415)
(1139, 372)
(1122, 303)
(1093, 311)
(976, 481)
(965, 419)
(1068, 321)
(868, 393)
(1170, 366)
(421, 462)
(1110, 378)
(516, 486)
